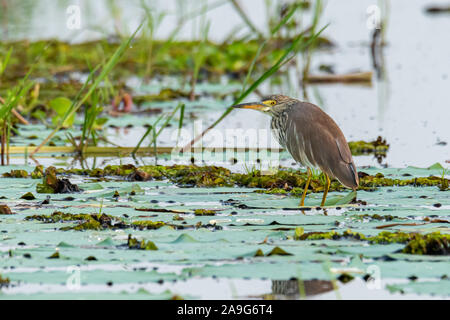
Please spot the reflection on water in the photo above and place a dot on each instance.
(295, 289)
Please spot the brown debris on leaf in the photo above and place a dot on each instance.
(4, 209)
(139, 175)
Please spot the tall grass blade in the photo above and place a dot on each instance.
(110, 64)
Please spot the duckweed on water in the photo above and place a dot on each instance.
(16, 174)
(428, 244)
(58, 216)
(62, 57)
(51, 184)
(444, 185)
(95, 221)
(28, 196)
(332, 235)
(38, 172)
(204, 212)
(277, 251)
(284, 181)
(378, 146)
(386, 237)
(378, 217)
(86, 221)
(379, 180)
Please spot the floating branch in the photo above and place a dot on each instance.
(360, 77)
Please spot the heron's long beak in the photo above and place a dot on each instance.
(252, 105)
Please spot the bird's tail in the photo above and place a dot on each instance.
(347, 175)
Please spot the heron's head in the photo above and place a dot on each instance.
(271, 105)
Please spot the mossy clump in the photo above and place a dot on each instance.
(204, 212)
(85, 221)
(99, 222)
(283, 181)
(114, 170)
(38, 172)
(386, 237)
(194, 176)
(230, 57)
(16, 174)
(133, 243)
(4, 209)
(378, 217)
(277, 251)
(51, 184)
(90, 224)
(430, 244)
(368, 181)
(424, 244)
(28, 196)
(91, 258)
(4, 282)
(55, 255)
(299, 231)
(273, 191)
(345, 278)
(148, 225)
(444, 184)
(259, 253)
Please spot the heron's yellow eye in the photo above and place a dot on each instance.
(270, 102)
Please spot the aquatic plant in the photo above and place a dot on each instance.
(421, 244)
(4, 282)
(8, 105)
(133, 243)
(283, 181)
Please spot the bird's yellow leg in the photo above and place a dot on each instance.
(327, 187)
(302, 202)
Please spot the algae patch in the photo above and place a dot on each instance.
(85, 221)
(284, 181)
(133, 243)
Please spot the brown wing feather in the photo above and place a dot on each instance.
(319, 142)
